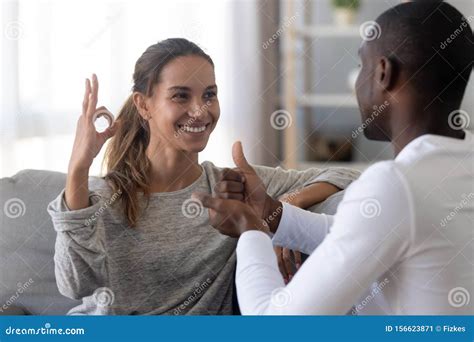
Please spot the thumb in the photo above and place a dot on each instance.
(207, 200)
(239, 158)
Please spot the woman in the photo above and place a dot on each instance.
(135, 242)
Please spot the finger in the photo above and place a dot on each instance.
(109, 132)
(287, 262)
(231, 175)
(230, 195)
(93, 96)
(298, 261)
(85, 101)
(102, 111)
(239, 158)
(281, 266)
(229, 186)
(208, 201)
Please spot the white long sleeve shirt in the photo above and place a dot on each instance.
(406, 224)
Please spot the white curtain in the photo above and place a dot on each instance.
(49, 47)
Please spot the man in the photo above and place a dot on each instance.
(406, 223)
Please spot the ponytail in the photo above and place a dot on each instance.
(126, 160)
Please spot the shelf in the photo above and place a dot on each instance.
(328, 31)
(330, 100)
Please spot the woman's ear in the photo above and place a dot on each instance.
(140, 102)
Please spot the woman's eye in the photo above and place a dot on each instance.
(210, 94)
(180, 96)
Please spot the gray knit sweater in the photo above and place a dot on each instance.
(172, 263)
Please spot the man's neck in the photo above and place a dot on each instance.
(404, 133)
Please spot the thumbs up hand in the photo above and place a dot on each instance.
(243, 184)
(255, 192)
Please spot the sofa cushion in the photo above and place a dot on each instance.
(27, 238)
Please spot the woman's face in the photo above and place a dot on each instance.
(184, 108)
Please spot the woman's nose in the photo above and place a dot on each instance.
(198, 110)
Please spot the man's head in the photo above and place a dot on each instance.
(417, 61)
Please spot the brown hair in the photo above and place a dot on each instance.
(126, 162)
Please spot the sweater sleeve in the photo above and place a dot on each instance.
(80, 256)
(279, 181)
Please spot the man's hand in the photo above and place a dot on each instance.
(243, 183)
(231, 217)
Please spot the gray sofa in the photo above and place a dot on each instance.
(27, 237)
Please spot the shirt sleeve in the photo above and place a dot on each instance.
(301, 230)
(279, 181)
(80, 257)
(371, 231)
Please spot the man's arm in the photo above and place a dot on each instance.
(370, 232)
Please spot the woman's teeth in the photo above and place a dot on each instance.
(193, 129)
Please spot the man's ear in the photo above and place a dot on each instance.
(385, 73)
(140, 102)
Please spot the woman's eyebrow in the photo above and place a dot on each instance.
(182, 88)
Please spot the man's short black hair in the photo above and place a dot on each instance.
(433, 42)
